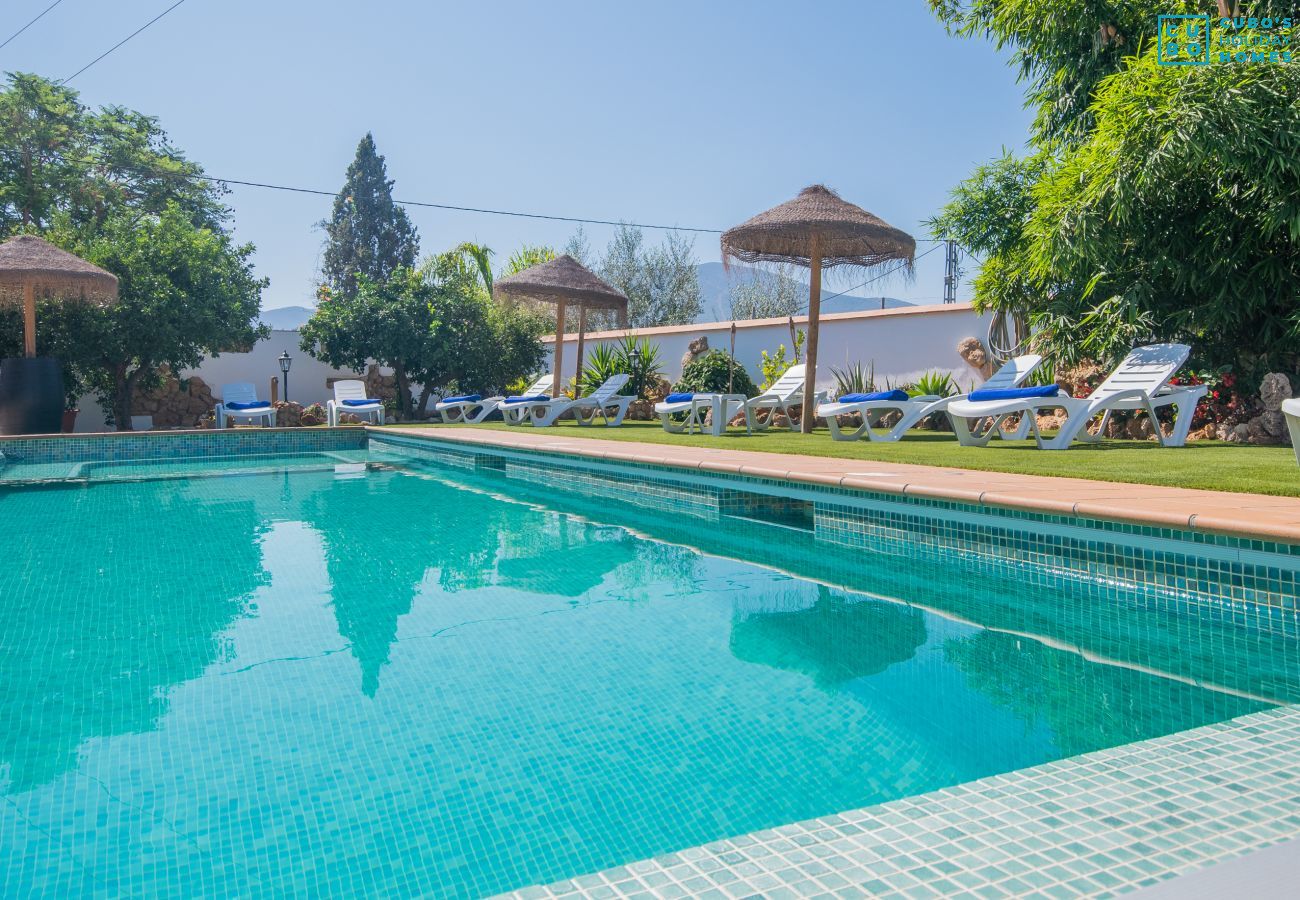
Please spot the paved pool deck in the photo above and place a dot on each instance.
(1219, 512)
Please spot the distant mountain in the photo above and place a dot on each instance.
(715, 291)
(286, 318)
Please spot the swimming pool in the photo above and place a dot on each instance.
(396, 670)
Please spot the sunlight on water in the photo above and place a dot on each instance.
(396, 682)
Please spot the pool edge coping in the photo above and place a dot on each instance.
(1246, 524)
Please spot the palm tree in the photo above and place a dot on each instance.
(480, 257)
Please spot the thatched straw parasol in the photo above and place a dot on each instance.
(563, 280)
(817, 229)
(31, 266)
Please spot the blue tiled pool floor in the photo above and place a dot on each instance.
(1096, 825)
(412, 677)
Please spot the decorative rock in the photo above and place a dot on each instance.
(175, 403)
(1273, 423)
(288, 414)
(1139, 428)
(694, 350)
(971, 349)
(656, 392)
(641, 410)
(1275, 388)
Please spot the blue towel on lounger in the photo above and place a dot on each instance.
(467, 398)
(367, 402)
(533, 398)
(679, 398)
(258, 404)
(897, 396)
(1024, 393)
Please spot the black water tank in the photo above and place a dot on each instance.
(31, 395)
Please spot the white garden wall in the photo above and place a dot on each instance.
(903, 343)
(306, 376)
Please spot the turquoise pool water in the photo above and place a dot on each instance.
(327, 678)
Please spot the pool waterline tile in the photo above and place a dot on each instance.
(1208, 512)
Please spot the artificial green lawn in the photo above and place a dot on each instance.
(1212, 465)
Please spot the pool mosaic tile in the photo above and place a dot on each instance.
(1095, 825)
(539, 664)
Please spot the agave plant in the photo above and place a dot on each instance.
(600, 363)
(854, 379)
(938, 384)
(635, 357)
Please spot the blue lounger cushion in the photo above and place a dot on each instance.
(369, 401)
(532, 398)
(258, 404)
(1024, 393)
(467, 398)
(896, 396)
(679, 398)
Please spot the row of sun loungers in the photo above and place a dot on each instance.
(1141, 382)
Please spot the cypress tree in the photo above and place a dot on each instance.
(366, 233)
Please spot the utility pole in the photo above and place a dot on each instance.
(950, 273)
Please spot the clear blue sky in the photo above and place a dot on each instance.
(692, 113)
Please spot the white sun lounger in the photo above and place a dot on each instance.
(784, 395)
(1291, 409)
(585, 409)
(517, 410)
(1140, 382)
(666, 410)
(244, 394)
(913, 409)
(473, 410)
(354, 391)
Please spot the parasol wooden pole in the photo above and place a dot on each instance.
(29, 319)
(814, 313)
(731, 362)
(559, 349)
(582, 339)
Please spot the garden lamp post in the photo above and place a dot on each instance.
(285, 362)
(635, 356)
(818, 230)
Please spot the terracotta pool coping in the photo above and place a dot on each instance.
(1254, 516)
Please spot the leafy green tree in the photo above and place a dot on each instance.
(476, 344)
(60, 160)
(367, 233)
(662, 283)
(716, 372)
(185, 291)
(767, 295)
(478, 256)
(435, 326)
(526, 257)
(387, 321)
(1153, 205)
(580, 248)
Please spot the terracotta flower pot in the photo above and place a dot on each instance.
(70, 420)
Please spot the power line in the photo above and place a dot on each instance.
(422, 204)
(197, 176)
(30, 24)
(876, 277)
(121, 42)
